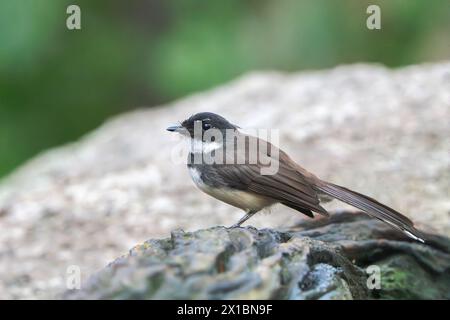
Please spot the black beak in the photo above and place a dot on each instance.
(174, 128)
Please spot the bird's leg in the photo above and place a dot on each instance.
(247, 216)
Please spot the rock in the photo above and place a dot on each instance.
(379, 131)
(247, 263)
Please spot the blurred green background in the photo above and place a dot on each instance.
(56, 84)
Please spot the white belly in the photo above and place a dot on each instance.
(240, 199)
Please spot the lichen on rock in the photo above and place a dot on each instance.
(309, 261)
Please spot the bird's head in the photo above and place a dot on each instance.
(199, 123)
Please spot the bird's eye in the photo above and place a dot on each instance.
(206, 126)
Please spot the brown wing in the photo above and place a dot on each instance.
(288, 185)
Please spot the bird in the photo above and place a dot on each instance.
(228, 164)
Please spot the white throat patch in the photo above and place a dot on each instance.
(197, 146)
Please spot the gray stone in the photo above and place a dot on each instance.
(247, 263)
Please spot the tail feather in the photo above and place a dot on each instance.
(373, 208)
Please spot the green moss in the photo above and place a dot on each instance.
(402, 277)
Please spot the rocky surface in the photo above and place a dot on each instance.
(379, 131)
(325, 259)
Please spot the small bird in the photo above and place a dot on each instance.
(241, 182)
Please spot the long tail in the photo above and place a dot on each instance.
(372, 207)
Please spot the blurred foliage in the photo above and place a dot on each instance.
(57, 84)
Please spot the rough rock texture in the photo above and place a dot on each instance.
(382, 132)
(312, 261)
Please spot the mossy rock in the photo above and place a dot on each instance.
(404, 278)
(320, 259)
